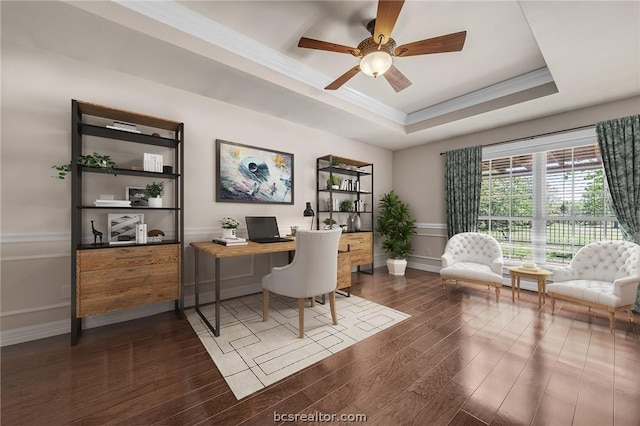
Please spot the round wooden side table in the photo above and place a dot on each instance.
(538, 274)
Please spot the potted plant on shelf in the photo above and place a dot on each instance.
(346, 206)
(90, 160)
(329, 223)
(395, 225)
(333, 182)
(155, 191)
(229, 227)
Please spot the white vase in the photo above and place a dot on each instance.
(155, 202)
(228, 233)
(357, 224)
(396, 266)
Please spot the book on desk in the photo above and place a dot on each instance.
(230, 241)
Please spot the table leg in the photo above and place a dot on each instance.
(216, 329)
(513, 285)
(539, 293)
(218, 302)
(518, 280)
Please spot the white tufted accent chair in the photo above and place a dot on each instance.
(472, 257)
(604, 275)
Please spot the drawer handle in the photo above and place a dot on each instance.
(133, 278)
(142, 256)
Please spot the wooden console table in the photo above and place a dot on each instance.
(218, 251)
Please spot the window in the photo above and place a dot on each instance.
(543, 205)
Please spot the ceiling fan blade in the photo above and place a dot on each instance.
(343, 78)
(396, 79)
(388, 11)
(310, 43)
(446, 43)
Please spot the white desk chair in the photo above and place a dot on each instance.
(312, 272)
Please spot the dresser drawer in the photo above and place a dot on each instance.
(344, 270)
(359, 243)
(164, 289)
(122, 257)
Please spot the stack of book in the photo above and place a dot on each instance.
(112, 203)
(152, 162)
(230, 241)
(127, 127)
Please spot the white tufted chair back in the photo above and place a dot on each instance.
(606, 261)
(473, 247)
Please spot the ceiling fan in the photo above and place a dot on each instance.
(376, 52)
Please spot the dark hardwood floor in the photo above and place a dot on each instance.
(461, 359)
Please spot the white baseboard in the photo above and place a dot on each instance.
(55, 328)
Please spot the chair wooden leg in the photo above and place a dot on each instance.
(301, 317)
(630, 316)
(332, 305)
(612, 321)
(313, 301)
(498, 293)
(265, 304)
(553, 305)
(444, 285)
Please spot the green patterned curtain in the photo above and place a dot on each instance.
(619, 142)
(463, 179)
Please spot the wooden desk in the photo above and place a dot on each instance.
(218, 251)
(540, 275)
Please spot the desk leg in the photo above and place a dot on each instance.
(513, 287)
(216, 330)
(218, 302)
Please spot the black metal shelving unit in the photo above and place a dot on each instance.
(81, 112)
(357, 171)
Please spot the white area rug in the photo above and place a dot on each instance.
(252, 354)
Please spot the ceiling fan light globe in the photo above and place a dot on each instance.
(376, 63)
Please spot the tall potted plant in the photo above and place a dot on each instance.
(395, 225)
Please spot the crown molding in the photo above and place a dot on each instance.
(192, 23)
(514, 85)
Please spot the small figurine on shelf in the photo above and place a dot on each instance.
(96, 234)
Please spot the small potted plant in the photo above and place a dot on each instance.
(346, 206)
(155, 191)
(333, 182)
(329, 223)
(90, 160)
(229, 226)
(395, 225)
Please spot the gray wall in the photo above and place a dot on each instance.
(37, 88)
(418, 173)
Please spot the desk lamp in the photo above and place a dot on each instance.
(308, 212)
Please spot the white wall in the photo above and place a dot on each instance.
(37, 88)
(418, 173)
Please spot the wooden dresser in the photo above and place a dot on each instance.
(124, 277)
(360, 246)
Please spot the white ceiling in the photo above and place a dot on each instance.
(521, 60)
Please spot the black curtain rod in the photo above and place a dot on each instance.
(535, 136)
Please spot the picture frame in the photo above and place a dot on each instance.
(138, 196)
(123, 225)
(250, 174)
